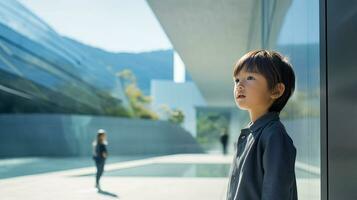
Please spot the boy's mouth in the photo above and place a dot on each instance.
(240, 96)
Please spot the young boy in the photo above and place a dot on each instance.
(264, 163)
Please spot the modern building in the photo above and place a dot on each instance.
(318, 36)
(42, 72)
(56, 93)
(52, 92)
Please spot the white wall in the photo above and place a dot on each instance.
(184, 96)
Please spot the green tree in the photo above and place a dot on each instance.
(173, 115)
(138, 101)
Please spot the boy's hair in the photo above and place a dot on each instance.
(274, 67)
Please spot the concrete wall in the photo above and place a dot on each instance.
(72, 135)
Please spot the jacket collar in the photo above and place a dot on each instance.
(260, 122)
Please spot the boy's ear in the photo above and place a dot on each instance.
(278, 91)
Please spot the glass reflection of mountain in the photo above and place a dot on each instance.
(43, 72)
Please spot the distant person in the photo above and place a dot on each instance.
(224, 140)
(264, 162)
(100, 154)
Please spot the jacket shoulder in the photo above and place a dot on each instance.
(275, 130)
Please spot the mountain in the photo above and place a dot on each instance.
(146, 65)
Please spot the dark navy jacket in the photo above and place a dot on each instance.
(264, 162)
(99, 149)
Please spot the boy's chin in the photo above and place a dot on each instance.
(241, 106)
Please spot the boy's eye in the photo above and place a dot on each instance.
(250, 78)
(236, 80)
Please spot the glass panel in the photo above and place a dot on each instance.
(296, 35)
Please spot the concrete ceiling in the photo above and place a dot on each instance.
(209, 36)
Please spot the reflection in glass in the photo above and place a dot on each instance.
(297, 37)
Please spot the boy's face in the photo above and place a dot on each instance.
(251, 91)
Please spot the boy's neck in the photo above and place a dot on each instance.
(254, 115)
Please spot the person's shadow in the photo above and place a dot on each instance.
(108, 193)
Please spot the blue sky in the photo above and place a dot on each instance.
(113, 25)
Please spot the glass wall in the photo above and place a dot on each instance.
(42, 71)
(296, 35)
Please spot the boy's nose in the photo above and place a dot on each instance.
(240, 85)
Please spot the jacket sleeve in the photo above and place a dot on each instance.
(278, 165)
(104, 149)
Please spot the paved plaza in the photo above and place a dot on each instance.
(184, 176)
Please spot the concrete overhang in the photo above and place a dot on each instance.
(210, 35)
